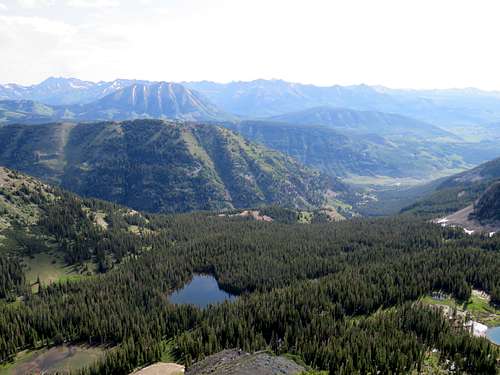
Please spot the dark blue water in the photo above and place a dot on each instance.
(493, 335)
(201, 291)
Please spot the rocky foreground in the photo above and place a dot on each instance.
(229, 362)
(236, 362)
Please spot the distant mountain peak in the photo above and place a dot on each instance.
(156, 100)
(118, 100)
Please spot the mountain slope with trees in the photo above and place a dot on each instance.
(364, 154)
(453, 193)
(162, 166)
(365, 122)
(39, 219)
(487, 207)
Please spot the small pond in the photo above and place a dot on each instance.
(493, 334)
(201, 291)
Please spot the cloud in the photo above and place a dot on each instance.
(31, 4)
(94, 4)
(34, 45)
(38, 24)
(3, 7)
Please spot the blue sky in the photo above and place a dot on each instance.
(396, 43)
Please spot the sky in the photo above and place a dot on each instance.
(395, 43)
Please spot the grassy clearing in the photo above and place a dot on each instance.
(481, 309)
(59, 359)
(384, 181)
(50, 268)
(444, 302)
(478, 307)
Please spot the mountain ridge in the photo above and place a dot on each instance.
(449, 108)
(155, 100)
(348, 142)
(456, 192)
(160, 100)
(364, 121)
(364, 153)
(161, 166)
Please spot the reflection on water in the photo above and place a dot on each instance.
(201, 291)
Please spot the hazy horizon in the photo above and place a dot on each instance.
(257, 79)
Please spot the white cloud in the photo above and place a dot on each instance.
(40, 25)
(31, 4)
(33, 47)
(3, 8)
(96, 4)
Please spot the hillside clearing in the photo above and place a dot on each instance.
(478, 307)
(59, 359)
(48, 268)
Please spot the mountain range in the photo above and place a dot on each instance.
(369, 135)
(455, 109)
(339, 141)
(64, 91)
(139, 100)
(451, 109)
(160, 166)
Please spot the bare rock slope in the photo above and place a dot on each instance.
(235, 362)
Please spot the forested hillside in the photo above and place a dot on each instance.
(458, 191)
(487, 207)
(380, 143)
(41, 220)
(365, 122)
(165, 166)
(339, 295)
(361, 151)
